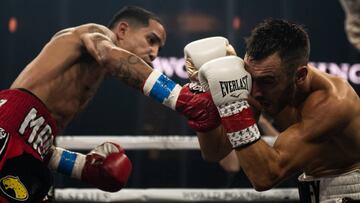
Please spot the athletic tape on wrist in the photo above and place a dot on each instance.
(162, 89)
(239, 123)
(67, 162)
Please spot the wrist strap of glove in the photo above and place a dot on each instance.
(239, 123)
(67, 162)
(162, 89)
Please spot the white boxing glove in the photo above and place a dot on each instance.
(201, 51)
(190, 100)
(230, 85)
(166, 91)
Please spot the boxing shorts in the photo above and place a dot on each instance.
(340, 188)
(26, 134)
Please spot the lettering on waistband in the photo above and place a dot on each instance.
(309, 191)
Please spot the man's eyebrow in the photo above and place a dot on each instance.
(157, 40)
(264, 77)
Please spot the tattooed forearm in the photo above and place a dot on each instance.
(97, 40)
(132, 71)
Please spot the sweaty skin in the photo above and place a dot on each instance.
(321, 138)
(65, 75)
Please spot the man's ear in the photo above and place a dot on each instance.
(301, 74)
(121, 29)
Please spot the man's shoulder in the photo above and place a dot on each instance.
(334, 104)
(93, 27)
(84, 28)
(323, 101)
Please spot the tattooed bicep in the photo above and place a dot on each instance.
(95, 28)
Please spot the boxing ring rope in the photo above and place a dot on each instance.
(177, 195)
(134, 142)
(174, 142)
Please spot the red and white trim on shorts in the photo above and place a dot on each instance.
(4, 143)
(239, 123)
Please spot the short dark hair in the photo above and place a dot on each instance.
(288, 39)
(133, 15)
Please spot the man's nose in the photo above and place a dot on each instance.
(257, 93)
(255, 90)
(153, 53)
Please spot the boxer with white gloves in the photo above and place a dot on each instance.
(230, 85)
(105, 167)
(320, 135)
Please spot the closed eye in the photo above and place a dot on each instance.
(266, 80)
(153, 39)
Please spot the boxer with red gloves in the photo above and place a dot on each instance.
(51, 90)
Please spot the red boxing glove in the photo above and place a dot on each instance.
(190, 100)
(107, 167)
(198, 106)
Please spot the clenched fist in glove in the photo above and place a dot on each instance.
(191, 100)
(196, 54)
(230, 85)
(198, 107)
(105, 167)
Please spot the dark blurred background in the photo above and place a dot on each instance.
(119, 110)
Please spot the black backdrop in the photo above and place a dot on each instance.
(119, 110)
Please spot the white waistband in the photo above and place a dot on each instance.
(339, 186)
